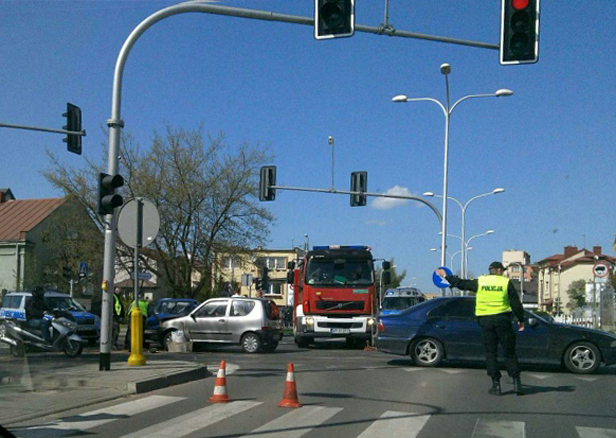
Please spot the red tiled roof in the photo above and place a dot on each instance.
(17, 216)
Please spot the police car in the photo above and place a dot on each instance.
(88, 325)
(401, 298)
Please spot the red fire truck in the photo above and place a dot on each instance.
(334, 294)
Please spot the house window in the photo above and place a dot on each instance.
(273, 263)
(230, 262)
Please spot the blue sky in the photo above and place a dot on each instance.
(551, 145)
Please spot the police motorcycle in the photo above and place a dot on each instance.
(64, 337)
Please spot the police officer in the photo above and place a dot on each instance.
(497, 299)
(36, 306)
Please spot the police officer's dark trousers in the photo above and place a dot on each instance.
(498, 329)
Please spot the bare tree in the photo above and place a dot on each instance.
(206, 196)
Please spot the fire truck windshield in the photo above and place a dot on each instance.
(339, 272)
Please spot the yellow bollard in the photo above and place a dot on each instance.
(136, 357)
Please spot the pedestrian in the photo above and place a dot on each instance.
(496, 300)
(36, 307)
(118, 317)
(143, 307)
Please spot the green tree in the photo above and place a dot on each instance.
(206, 194)
(577, 294)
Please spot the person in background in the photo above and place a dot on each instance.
(497, 299)
(35, 312)
(118, 317)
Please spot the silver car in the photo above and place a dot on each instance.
(253, 323)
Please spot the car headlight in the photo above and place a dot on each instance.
(371, 321)
(309, 324)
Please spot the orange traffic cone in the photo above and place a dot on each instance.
(220, 386)
(289, 399)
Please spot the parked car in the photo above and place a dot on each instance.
(252, 323)
(446, 328)
(88, 325)
(163, 310)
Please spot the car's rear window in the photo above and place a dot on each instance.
(271, 310)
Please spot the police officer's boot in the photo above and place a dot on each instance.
(517, 386)
(496, 387)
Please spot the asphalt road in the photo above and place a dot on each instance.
(351, 393)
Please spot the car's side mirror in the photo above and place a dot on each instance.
(532, 322)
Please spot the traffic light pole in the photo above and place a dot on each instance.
(116, 124)
(35, 128)
(377, 195)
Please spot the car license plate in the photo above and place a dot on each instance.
(340, 331)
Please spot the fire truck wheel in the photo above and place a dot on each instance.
(302, 342)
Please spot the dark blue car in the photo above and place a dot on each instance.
(446, 328)
(164, 309)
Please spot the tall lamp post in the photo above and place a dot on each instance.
(447, 111)
(469, 241)
(463, 208)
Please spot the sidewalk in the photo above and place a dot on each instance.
(33, 389)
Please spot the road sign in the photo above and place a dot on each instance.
(142, 276)
(83, 269)
(127, 223)
(601, 269)
(439, 281)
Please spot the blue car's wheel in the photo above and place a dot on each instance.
(427, 352)
(582, 358)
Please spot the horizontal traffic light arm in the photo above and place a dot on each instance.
(378, 195)
(35, 128)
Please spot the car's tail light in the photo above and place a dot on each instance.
(381, 326)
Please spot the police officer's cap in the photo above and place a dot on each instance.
(497, 265)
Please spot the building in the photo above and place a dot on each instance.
(41, 243)
(557, 272)
(240, 271)
(524, 275)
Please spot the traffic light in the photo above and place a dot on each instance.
(268, 179)
(519, 42)
(264, 278)
(107, 199)
(73, 123)
(359, 183)
(334, 18)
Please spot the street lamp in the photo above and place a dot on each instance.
(447, 111)
(469, 241)
(463, 208)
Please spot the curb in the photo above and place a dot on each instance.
(161, 382)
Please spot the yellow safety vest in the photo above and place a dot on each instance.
(492, 296)
(143, 307)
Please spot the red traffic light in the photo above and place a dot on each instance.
(519, 4)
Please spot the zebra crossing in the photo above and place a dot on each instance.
(293, 423)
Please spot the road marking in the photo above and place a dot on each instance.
(451, 370)
(498, 429)
(595, 432)
(413, 369)
(72, 425)
(296, 423)
(587, 378)
(392, 424)
(537, 376)
(230, 368)
(194, 421)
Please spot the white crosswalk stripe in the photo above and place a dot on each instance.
(296, 423)
(186, 424)
(392, 424)
(99, 417)
(498, 429)
(595, 432)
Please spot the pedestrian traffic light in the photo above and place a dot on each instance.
(359, 183)
(107, 198)
(519, 42)
(268, 179)
(334, 18)
(73, 123)
(264, 278)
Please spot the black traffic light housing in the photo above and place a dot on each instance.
(107, 198)
(73, 123)
(266, 181)
(519, 42)
(334, 18)
(264, 278)
(359, 183)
